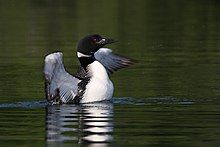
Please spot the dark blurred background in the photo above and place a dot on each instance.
(176, 43)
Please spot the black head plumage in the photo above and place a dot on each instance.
(92, 43)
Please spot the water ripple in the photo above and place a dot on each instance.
(87, 123)
(152, 101)
(25, 104)
(118, 101)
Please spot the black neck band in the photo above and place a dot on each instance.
(84, 61)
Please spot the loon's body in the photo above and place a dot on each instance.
(100, 86)
(91, 82)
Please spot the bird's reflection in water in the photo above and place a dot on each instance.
(87, 123)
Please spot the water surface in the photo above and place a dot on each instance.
(169, 98)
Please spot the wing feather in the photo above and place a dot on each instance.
(58, 83)
(112, 62)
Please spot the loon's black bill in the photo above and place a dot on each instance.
(109, 40)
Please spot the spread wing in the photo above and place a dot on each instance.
(58, 83)
(111, 61)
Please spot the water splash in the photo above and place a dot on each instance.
(116, 100)
(152, 101)
(25, 104)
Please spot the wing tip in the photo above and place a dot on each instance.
(53, 56)
(132, 61)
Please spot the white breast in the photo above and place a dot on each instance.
(99, 87)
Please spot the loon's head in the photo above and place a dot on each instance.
(90, 44)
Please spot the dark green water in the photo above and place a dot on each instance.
(169, 98)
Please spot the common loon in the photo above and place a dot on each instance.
(91, 82)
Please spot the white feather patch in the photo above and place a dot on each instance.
(100, 86)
